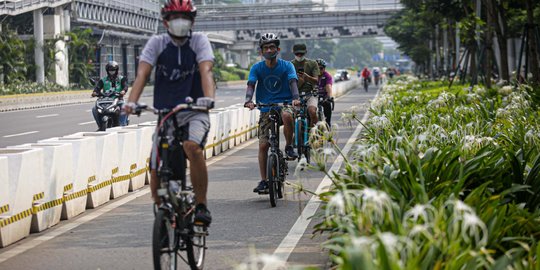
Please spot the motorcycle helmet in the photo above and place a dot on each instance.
(112, 68)
(186, 7)
(268, 38)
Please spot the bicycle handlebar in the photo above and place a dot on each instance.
(180, 107)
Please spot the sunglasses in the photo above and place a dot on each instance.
(299, 54)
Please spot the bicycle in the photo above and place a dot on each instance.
(174, 230)
(276, 165)
(366, 84)
(301, 128)
(321, 113)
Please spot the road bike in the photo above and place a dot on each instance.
(276, 165)
(174, 234)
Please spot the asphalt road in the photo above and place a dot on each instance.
(29, 126)
(118, 234)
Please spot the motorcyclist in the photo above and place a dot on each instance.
(111, 82)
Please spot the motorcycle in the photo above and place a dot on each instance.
(108, 110)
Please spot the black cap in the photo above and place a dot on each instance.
(299, 48)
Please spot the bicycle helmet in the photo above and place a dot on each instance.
(186, 7)
(321, 62)
(112, 68)
(268, 38)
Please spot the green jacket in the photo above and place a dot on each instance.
(310, 68)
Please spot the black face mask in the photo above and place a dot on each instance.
(270, 56)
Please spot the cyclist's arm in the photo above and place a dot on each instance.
(142, 75)
(328, 89)
(250, 90)
(207, 78)
(293, 85)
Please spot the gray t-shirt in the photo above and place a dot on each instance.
(177, 72)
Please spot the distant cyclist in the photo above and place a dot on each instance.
(376, 75)
(112, 82)
(325, 90)
(274, 81)
(366, 77)
(308, 76)
(183, 62)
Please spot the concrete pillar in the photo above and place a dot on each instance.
(244, 58)
(54, 29)
(67, 20)
(458, 44)
(437, 52)
(445, 50)
(38, 50)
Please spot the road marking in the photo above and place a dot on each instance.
(237, 98)
(86, 123)
(47, 115)
(220, 100)
(288, 244)
(89, 110)
(21, 134)
(86, 217)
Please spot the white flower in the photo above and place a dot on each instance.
(473, 228)
(505, 90)
(419, 213)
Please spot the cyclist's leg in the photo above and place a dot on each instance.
(263, 135)
(312, 110)
(288, 125)
(328, 112)
(196, 126)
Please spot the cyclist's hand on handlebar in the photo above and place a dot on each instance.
(207, 102)
(250, 105)
(296, 102)
(94, 94)
(129, 108)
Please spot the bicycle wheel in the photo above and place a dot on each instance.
(196, 248)
(272, 178)
(164, 242)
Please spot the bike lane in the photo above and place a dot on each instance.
(118, 235)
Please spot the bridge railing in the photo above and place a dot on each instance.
(21, 6)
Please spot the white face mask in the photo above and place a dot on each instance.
(299, 58)
(180, 27)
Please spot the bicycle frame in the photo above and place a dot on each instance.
(301, 137)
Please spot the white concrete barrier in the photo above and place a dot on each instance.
(127, 150)
(139, 169)
(57, 172)
(225, 117)
(25, 186)
(152, 125)
(218, 131)
(99, 190)
(84, 172)
(211, 137)
(233, 114)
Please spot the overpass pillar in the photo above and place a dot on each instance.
(54, 28)
(244, 58)
(38, 49)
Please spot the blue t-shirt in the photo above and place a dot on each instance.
(272, 83)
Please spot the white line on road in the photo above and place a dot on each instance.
(70, 225)
(237, 98)
(21, 134)
(220, 100)
(86, 123)
(47, 115)
(288, 244)
(89, 110)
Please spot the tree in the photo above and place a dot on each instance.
(80, 47)
(12, 49)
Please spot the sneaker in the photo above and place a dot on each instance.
(262, 187)
(289, 150)
(202, 215)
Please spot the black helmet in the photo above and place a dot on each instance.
(112, 66)
(268, 38)
(321, 62)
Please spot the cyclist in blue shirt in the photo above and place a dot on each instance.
(274, 81)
